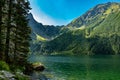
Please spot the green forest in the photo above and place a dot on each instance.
(14, 34)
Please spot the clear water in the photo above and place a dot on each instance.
(80, 67)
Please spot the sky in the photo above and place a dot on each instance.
(61, 12)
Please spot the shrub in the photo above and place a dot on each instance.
(4, 66)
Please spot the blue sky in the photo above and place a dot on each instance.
(61, 12)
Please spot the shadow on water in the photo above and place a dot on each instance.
(38, 76)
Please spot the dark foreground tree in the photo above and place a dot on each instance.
(14, 46)
(22, 32)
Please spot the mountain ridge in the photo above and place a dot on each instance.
(45, 31)
(95, 32)
(97, 10)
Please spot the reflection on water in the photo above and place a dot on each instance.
(38, 76)
(80, 68)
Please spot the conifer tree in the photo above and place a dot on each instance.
(22, 31)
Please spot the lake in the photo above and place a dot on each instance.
(78, 67)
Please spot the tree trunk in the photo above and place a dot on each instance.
(1, 46)
(15, 46)
(8, 32)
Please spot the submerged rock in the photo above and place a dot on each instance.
(38, 76)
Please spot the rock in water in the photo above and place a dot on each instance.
(38, 66)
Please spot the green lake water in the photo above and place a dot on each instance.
(78, 68)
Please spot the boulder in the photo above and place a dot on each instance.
(37, 66)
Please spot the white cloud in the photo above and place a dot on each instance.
(43, 18)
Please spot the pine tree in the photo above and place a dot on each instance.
(22, 32)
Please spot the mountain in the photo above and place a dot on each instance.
(90, 17)
(95, 32)
(42, 31)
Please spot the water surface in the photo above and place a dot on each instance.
(80, 67)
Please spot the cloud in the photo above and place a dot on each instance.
(43, 18)
(46, 19)
(39, 15)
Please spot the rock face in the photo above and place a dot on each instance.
(5, 75)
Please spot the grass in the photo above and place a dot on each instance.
(40, 38)
(4, 66)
